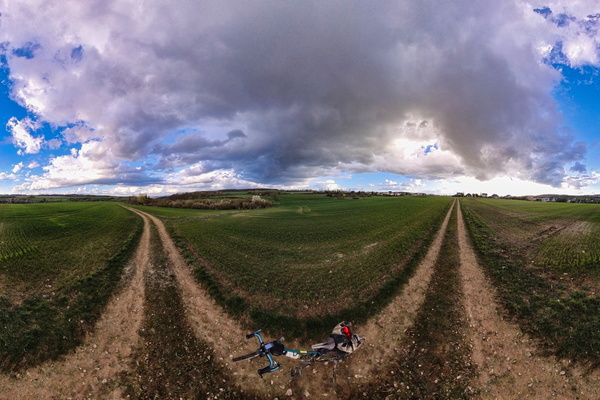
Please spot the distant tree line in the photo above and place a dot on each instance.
(202, 201)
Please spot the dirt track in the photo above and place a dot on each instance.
(507, 362)
(507, 359)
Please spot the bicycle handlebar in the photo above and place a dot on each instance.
(264, 351)
(248, 336)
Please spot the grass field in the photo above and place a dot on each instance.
(311, 255)
(59, 263)
(544, 259)
(558, 235)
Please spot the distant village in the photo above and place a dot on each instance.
(544, 197)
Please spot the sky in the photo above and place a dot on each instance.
(123, 97)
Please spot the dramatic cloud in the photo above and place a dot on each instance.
(272, 92)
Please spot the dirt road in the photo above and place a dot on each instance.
(162, 335)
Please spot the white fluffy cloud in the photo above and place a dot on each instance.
(17, 167)
(22, 137)
(93, 163)
(6, 176)
(281, 92)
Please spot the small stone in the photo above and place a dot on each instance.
(289, 393)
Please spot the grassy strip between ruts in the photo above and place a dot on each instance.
(310, 328)
(41, 329)
(171, 362)
(569, 325)
(434, 360)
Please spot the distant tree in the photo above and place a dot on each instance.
(142, 199)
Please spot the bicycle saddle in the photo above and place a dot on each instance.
(328, 345)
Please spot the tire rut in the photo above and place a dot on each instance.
(508, 360)
(432, 361)
(214, 327)
(387, 329)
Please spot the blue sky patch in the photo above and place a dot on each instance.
(77, 53)
(28, 50)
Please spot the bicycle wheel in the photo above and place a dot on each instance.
(246, 356)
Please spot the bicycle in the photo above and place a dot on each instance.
(334, 350)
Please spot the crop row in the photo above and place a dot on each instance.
(561, 236)
(14, 241)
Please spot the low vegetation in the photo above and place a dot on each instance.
(543, 259)
(59, 264)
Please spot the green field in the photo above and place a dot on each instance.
(544, 258)
(558, 235)
(311, 255)
(59, 263)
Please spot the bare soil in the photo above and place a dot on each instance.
(162, 336)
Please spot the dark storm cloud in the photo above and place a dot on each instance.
(579, 167)
(283, 91)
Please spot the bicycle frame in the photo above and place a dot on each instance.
(276, 348)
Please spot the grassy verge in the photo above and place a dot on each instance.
(42, 328)
(568, 323)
